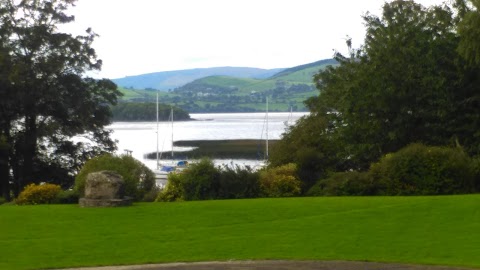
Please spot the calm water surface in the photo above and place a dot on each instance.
(141, 137)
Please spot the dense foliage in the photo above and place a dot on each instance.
(45, 99)
(238, 183)
(421, 170)
(414, 170)
(200, 181)
(203, 181)
(39, 194)
(173, 191)
(408, 83)
(469, 30)
(139, 180)
(350, 183)
(280, 181)
(136, 111)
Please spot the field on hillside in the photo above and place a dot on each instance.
(286, 90)
(441, 230)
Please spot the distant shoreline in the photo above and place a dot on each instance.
(218, 149)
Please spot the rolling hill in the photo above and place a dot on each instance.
(286, 90)
(172, 79)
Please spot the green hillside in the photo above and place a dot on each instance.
(166, 80)
(132, 94)
(285, 90)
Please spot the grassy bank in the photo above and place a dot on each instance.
(219, 149)
(420, 230)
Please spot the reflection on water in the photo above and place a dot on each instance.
(141, 137)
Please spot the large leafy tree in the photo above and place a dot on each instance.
(406, 84)
(45, 97)
(469, 29)
(399, 87)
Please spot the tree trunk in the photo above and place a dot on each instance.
(4, 171)
(5, 151)
(29, 151)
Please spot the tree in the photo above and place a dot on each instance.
(402, 86)
(45, 98)
(406, 84)
(469, 30)
(144, 111)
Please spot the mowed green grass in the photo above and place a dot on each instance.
(443, 230)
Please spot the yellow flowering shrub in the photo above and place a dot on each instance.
(38, 194)
(280, 181)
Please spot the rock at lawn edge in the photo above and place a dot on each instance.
(104, 189)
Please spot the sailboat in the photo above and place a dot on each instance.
(264, 162)
(266, 141)
(163, 170)
(289, 121)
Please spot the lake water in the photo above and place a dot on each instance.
(141, 137)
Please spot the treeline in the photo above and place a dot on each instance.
(147, 111)
(399, 115)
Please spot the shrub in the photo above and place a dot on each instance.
(173, 191)
(280, 181)
(151, 195)
(238, 182)
(2, 200)
(476, 169)
(204, 181)
(344, 184)
(38, 194)
(67, 197)
(421, 170)
(200, 181)
(138, 178)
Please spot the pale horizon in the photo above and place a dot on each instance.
(148, 36)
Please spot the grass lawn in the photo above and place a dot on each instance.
(443, 230)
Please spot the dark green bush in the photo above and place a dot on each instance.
(2, 200)
(344, 184)
(476, 169)
(200, 181)
(67, 197)
(421, 170)
(238, 182)
(151, 196)
(204, 181)
(139, 180)
(414, 170)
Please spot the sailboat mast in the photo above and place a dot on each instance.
(171, 113)
(157, 130)
(266, 146)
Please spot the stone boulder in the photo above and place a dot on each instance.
(104, 189)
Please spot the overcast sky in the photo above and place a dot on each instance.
(145, 36)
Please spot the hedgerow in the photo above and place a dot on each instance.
(414, 170)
